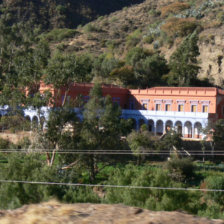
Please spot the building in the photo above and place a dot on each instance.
(188, 110)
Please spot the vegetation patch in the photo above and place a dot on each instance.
(174, 8)
(180, 26)
(57, 35)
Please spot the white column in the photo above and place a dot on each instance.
(155, 124)
(164, 127)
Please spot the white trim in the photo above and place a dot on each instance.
(194, 102)
(205, 102)
(168, 101)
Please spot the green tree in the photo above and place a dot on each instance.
(22, 61)
(148, 68)
(171, 141)
(140, 142)
(104, 64)
(64, 70)
(184, 64)
(218, 135)
(135, 55)
(101, 129)
(30, 66)
(149, 71)
(181, 169)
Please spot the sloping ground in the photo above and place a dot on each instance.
(134, 26)
(57, 213)
(59, 13)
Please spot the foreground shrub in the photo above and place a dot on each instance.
(33, 168)
(154, 199)
(181, 169)
(215, 182)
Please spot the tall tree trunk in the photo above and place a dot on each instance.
(92, 168)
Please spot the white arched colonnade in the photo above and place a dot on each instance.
(188, 124)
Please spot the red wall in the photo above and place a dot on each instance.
(199, 96)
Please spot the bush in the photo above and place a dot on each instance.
(4, 144)
(180, 169)
(32, 167)
(220, 17)
(146, 198)
(90, 28)
(57, 35)
(24, 143)
(14, 123)
(134, 38)
(215, 182)
(180, 26)
(148, 39)
(174, 8)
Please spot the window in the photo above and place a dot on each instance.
(193, 108)
(180, 107)
(158, 107)
(181, 104)
(205, 108)
(144, 106)
(168, 107)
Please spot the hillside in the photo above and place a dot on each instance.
(50, 14)
(54, 212)
(157, 26)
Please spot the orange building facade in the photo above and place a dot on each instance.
(188, 110)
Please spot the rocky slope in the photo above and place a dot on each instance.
(56, 213)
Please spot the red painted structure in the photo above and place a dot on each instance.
(183, 99)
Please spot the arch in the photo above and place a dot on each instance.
(197, 130)
(179, 127)
(151, 124)
(34, 122)
(27, 117)
(169, 125)
(27, 123)
(141, 122)
(188, 129)
(159, 127)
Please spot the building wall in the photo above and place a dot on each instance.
(193, 99)
(118, 94)
(174, 96)
(199, 106)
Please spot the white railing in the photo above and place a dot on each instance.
(176, 114)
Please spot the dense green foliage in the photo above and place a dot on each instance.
(19, 166)
(58, 14)
(183, 63)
